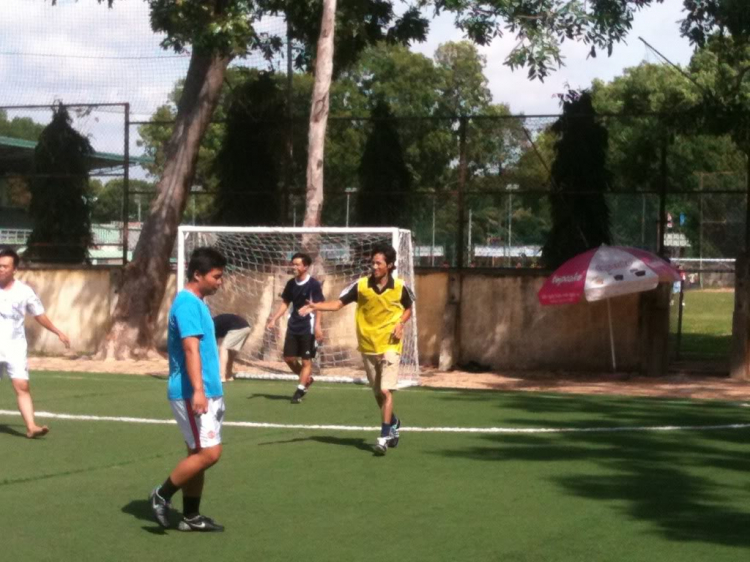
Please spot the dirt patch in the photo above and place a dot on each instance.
(672, 386)
(87, 365)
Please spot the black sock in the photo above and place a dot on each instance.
(191, 506)
(394, 419)
(168, 489)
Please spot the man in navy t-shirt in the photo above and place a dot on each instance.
(302, 332)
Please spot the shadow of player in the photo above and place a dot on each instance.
(356, 443)
(283, 397)
(141, 510)
(11, 431)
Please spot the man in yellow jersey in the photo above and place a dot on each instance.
(383, 307)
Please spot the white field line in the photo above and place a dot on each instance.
(491, 430)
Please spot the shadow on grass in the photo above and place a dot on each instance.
(141, 510)
(683, 483)
(278, 397)
(8, 430)
(356, 443)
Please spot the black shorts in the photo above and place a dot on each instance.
(300, 345)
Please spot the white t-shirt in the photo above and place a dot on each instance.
(15, 303)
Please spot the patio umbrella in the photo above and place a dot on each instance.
(605, 272)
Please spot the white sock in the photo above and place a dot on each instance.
(300, 387)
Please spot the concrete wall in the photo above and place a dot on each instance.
(80, 302)
(502, 325)
(500, 321)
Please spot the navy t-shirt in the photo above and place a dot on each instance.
(225, 323)
(297, 294)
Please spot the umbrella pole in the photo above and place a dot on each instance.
(611, 337)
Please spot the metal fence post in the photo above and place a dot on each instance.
(462, 165)
(126, 186)
(663, 172)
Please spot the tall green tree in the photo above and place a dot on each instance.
(251, 160)
(385, 197)
(580, 217)
(216, 32)
(59, 190)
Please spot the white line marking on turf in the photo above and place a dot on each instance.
(495, 430)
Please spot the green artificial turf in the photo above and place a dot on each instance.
(314, 495)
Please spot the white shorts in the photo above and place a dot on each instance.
(235, 339)
(202, 431)
(17, 369)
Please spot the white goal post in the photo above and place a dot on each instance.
(258, 268)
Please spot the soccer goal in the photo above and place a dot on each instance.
(258, 268)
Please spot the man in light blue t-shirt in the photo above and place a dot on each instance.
(194, 391)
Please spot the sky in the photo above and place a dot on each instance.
(80, 51)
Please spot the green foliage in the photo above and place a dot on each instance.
(721, 69)
(384, 179)
(413, 84)
(699, 147)
(59, 194)
(216, 27)
(19, 127)
(106, 199)
(465, 89)
(359, 25)
(17, 187)
(540, 26)
(579, 221)
(707, 18)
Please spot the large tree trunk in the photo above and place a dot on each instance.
(319, 116)
(145, 278)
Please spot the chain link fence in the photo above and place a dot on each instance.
(475, 191)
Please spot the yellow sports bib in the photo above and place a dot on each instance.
(377, 316)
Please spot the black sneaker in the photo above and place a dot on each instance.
(395, 434)
(160, 507)
(200, 523)
(298, 396)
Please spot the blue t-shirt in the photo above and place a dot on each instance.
(297, 294)
(190, 316)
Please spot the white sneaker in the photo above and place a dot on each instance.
(381, 446)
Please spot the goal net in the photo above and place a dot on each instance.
(258, 268)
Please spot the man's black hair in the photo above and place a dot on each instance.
(203, 260)
(10, 253)
(388, 253)
(306, 259)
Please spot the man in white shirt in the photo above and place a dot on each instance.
(16, 300)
